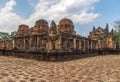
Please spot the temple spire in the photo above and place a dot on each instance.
(106, 28)
(52, 25)
(53, 28)
(93, 28)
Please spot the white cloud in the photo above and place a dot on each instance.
(80, 11)
(8, 19)
(8, 7)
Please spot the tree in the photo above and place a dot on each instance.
(116, 36)
(4, 35)
(12, 34)
(117, 27)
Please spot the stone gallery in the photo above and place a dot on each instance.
(61, 37)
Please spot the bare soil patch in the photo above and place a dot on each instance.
(92, 69)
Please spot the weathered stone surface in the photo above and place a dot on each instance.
(53, 28)
(66, 26)
(22, 30)
(103, 37)
(41, 26)
(62, 37)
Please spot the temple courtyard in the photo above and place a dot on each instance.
(92, 69)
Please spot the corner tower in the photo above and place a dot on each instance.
(66, 26)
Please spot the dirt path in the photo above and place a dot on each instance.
(93, 69)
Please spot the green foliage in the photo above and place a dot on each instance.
(116, 36)
(117, 32)
(12, 34)
(117, 25)
(4, 36)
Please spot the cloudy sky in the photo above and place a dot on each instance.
(84, 13)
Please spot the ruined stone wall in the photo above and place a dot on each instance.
(22, 30)
(61, 37)
(103, 37)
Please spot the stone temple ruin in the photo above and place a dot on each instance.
(103, 37)
(57, 42)
(61, 37)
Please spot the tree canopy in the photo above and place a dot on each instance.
(116, 36)
(117, 32)
(4, 35)
(117, 25)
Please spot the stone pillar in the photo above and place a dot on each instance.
(74, 41)
(60, 43)
(79, 44)
(67, 44)
(30, 42)
(94, 45)
(24, 43)
(48, 45)
(100, 44)
(91, 45)
(84, 45)
(13, 43)
(87, 44)
(37, 42)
